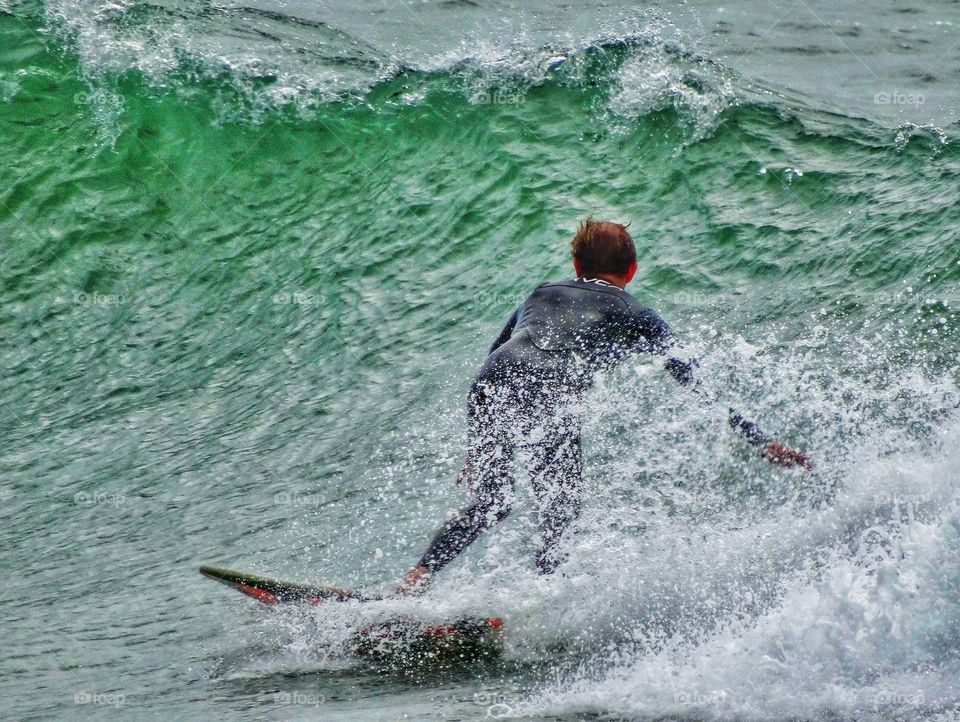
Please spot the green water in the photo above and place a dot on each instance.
(211, 307)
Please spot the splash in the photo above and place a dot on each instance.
(263, 61)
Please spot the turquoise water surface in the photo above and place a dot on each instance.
(253, 255)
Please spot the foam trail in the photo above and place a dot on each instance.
(867, 632)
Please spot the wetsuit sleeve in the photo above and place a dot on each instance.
(506, 332)
(658, 338)
(751, 432)
(655, 334)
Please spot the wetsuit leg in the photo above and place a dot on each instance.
(556, 476)
(488, 472)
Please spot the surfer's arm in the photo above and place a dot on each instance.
(659, 339)
(682, 371)
(507, 331)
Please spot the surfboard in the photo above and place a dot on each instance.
(400, 638)
(272, 591)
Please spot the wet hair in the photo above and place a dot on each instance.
(603, 247)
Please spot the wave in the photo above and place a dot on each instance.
(867, 632)
(703, 585)
(265, 60)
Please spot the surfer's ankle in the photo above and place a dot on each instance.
(415, 582)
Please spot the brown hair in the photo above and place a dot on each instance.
(603, 247)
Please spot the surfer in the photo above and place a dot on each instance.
(524, 399)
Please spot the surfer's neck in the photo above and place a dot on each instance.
(614, 279)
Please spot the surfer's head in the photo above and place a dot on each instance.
(604, 249)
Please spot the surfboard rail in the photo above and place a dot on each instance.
(273, 591)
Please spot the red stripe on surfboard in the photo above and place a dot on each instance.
(261, 595)
(443, 631)
(448, 629)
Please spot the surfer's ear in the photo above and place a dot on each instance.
(577, 268)
(631, 273)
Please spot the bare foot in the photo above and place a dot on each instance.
(415, 582)
(783, 455)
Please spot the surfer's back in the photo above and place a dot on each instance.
(569, 330)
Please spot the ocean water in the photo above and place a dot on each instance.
(253, 254)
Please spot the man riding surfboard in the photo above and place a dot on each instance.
(525, 397)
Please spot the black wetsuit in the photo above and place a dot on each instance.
(524, 399)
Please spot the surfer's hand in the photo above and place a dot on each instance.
(415, 582)
(783, 455)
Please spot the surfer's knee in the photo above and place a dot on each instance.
(491, 509)
(548, 559)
